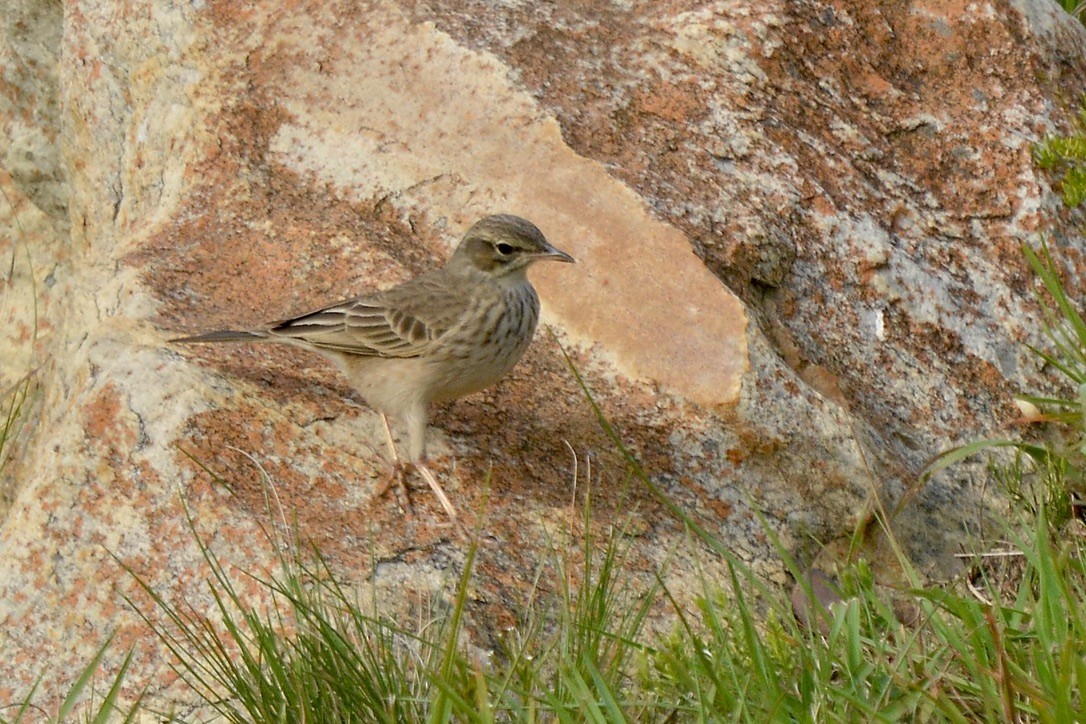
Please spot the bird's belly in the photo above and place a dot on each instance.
(394, 386)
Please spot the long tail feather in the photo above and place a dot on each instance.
(225, 335)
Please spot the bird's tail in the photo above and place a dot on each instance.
(225, 335)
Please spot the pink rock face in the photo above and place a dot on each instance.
(796, 227)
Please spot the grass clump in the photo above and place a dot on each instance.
(316, 656)
(955, 658)
(1004, 648)
(1066, 155)
(12, 403)
(1026, 648)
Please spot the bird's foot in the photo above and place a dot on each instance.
(399, 481)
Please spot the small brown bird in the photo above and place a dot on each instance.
(442, 335)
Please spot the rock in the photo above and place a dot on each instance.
(797, 229)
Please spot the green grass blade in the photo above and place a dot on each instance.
(443, 703)
(69, 702)
(107, 708)
(635, 465)
(1045, 269)
(603, 692)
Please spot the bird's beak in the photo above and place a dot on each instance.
(555, 255)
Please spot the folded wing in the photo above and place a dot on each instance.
(400, 322)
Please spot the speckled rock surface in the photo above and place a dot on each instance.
(797, 228)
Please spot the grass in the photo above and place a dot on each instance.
(339, 664)
(1074, 7)
(1066, 156)
(84, 701)
(1010, 647)
(12, 404)
(93, 711)
(14, 400)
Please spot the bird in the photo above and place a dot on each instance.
(444, 334)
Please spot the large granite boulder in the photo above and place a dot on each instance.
(797, 227)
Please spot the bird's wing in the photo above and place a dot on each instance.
(399, 322)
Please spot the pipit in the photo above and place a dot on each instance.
(442, 335)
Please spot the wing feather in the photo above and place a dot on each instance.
(400, 322)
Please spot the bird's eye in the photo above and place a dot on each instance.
(504, 249)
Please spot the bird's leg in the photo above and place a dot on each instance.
(399, 473)
(416, 448)
(434, 486)
(388, 438)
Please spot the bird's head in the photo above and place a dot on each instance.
(503, 244)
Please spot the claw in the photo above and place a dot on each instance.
(399, 481)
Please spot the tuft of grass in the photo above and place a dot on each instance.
(1046, 477)
(1027, 638)
(985, 653)
(81, 702)
(14, 399)
(1066, 155)
(574, 654)
(314, 655)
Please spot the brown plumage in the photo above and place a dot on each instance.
(444, 334)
